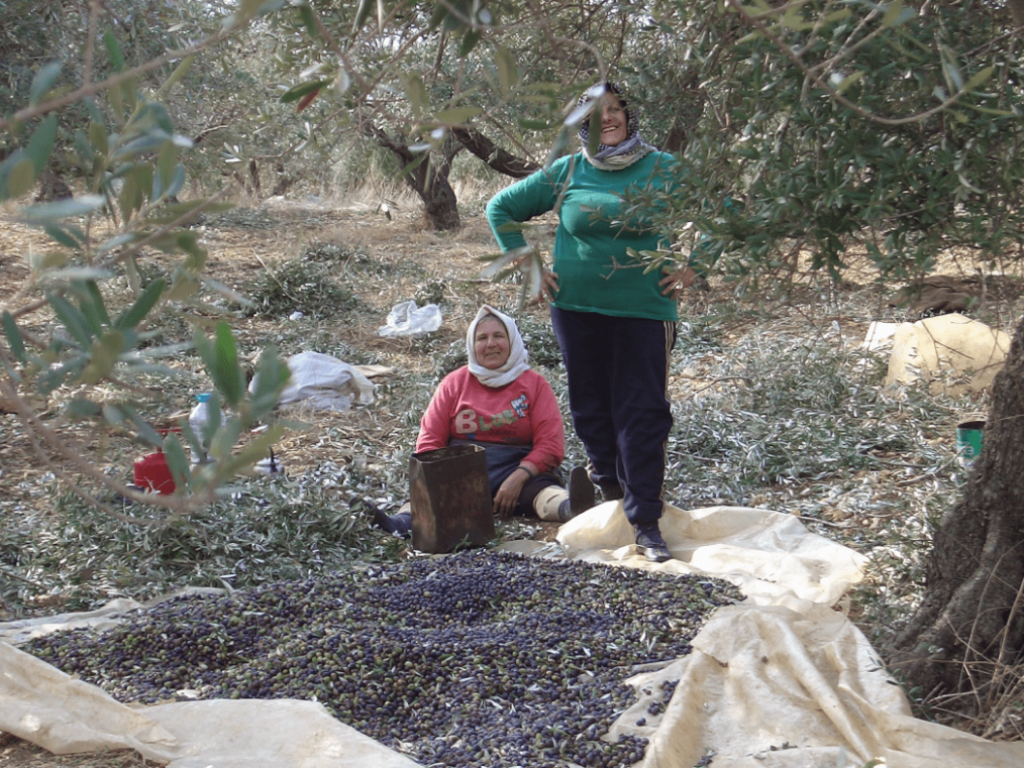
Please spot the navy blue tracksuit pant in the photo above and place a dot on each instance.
(618, 396)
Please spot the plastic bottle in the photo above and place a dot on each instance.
(199, 420)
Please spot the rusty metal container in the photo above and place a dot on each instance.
(450, 497)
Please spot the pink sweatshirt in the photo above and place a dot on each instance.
(524, 412)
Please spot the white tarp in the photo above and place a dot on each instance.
(780, 681)
(783, 680)
(324, 382)
(937, 348)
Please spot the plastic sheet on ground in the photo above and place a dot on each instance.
(325, 383)
(782, 680)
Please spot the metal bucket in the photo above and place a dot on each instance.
(450, 497)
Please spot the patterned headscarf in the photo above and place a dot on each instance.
(623, 154)
(517, 358)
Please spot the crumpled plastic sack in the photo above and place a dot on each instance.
(937, 347)
(325, 383)
(406, 319)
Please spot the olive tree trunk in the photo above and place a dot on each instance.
(426, 173)
(971, 621)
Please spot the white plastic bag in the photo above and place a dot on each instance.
(324, 382)
(406, 319)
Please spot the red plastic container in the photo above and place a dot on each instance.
(153, 474)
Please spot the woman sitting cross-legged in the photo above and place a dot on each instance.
(497, 402)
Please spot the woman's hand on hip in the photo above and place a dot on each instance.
(676, 281)
(548, 286)
(507, 497)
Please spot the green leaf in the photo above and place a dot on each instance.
(533, 125)
(98, 137)
(130, 197)
(297, 92)
(978, 78)
(362, 14)
(63, 209)
(138, 311)
(143, 428)
(594, 132)
(21, 177)
(153, 119)
(43, 82)
(416, 92)
(558, 148)
(177, 461)
(990, 111)
(114, 51)
(832, 18)
(74, 321)
(458, 115)
(82, 408)
(86, 153)
(167, 162)
(225, 437)
(104, 354)
(220, 357)
(13, 337)
(272, 376)
(179, 72)
(848, 81)
(308, 19)
(508, 72)
(64, 236)
(469, 41)
(92, 305)
(439, 15)
(177, 182)
(41, 143)
(229, 376)
(116, 102)
(183, 287)
(256, 450)
(892, 13)
(459, 12)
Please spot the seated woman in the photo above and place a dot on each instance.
(498, 403)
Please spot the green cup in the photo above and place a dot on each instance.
(968, 441)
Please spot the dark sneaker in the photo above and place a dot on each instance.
(581, 491)
(650, 544)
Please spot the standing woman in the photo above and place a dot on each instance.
(615, 325)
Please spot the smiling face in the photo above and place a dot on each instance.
(490, 344)
(613, 120)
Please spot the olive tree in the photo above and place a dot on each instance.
(899, 131)
(81, 329)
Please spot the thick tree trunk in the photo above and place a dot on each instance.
(427, 177)
(971, 620)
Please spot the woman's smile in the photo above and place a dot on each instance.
(613, 121)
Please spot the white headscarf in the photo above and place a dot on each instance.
(512, 368)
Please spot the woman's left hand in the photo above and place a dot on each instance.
(677, 281)
(507, 497)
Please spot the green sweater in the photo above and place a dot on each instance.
(594, 272)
